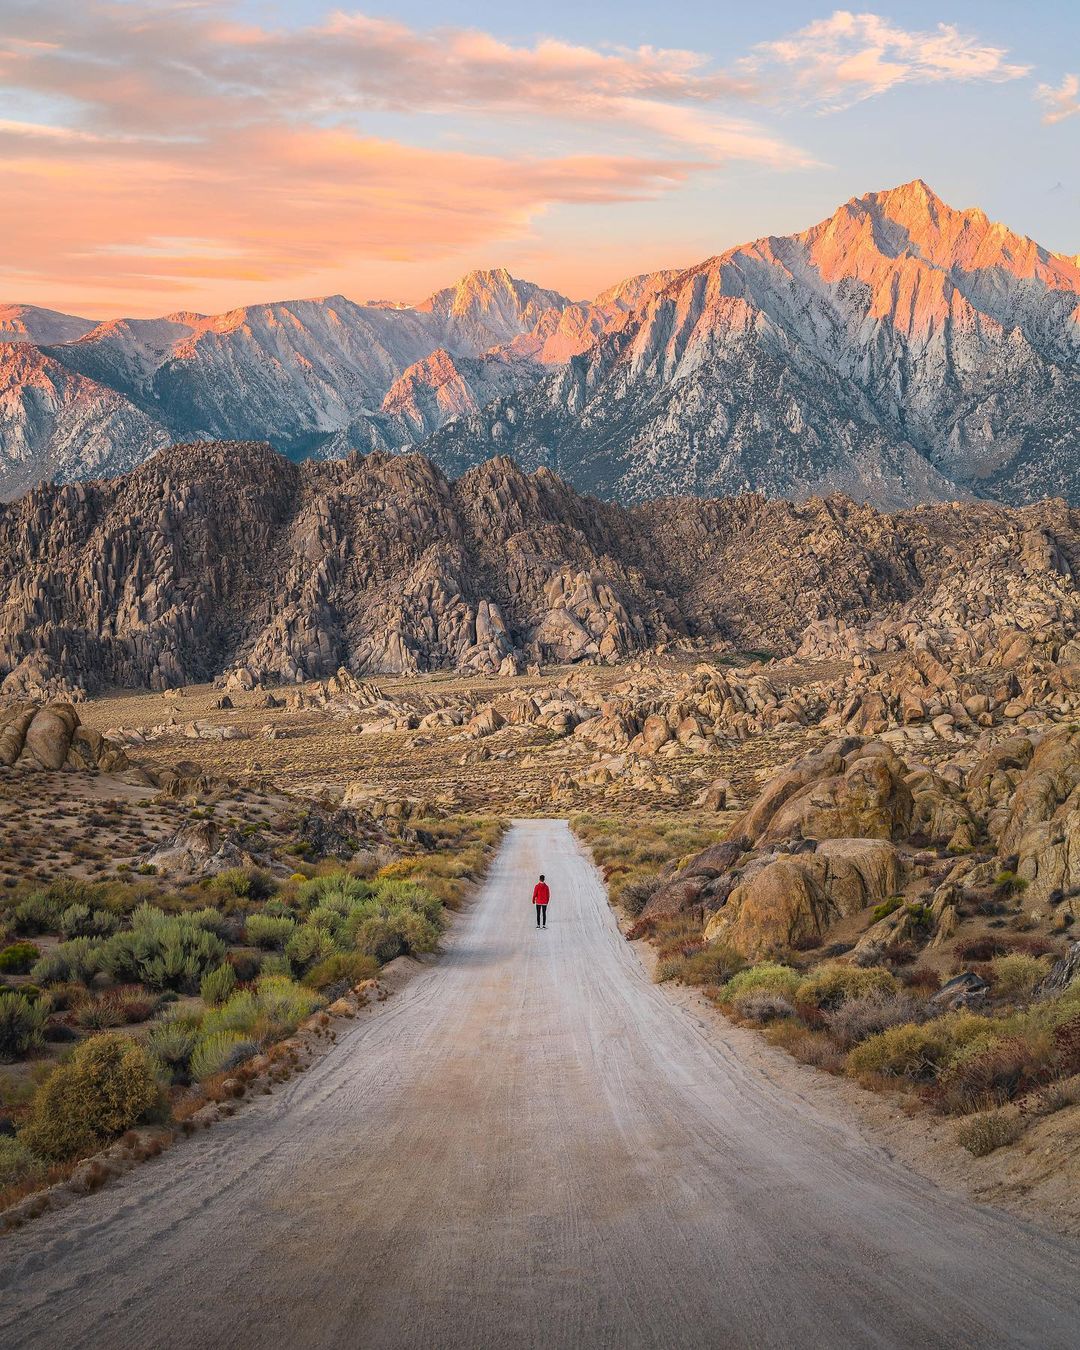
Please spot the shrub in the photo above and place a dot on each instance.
(980, 949)
(832, 985)
(917, 1052)
(1016, 975)
(343, 968)
(106, 1087)
(715, 964)
(36, 914)
(170, 1044)
(163, 951)
(763, 1006)
(82, 921)
(97, 1014)
(636, 894)
(805, 1045)
(76, 961)
(218, 984)
(275, 963)
(308, 945)
(210, 921)
(983, 1134)
(984, 1075)
(887, 907)
(867, 1014)
(239, 1013)
(18, 1163)
(263, 930)
(22, 1026)
(284, 1003)
(769, 975)
(219, 1052)
(18, 958)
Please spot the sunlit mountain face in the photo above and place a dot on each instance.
(901, 350)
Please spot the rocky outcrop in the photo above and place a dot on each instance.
(226, 560)
(36, 736)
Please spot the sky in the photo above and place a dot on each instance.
(207, 154)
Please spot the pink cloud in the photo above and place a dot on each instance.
(847, 57)
(1062, 102)
(188, 147)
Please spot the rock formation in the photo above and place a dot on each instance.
(227, 560)
(33, 736)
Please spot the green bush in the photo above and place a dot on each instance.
(22, 1026)
(284, 1003)
(170, 1044)
(831, 985)
(776, 978)
(918, 1052)
(887, 907)
(342, 968)
(18, 1163)
(308, 945)
(220, 1051)
(263, 930)
(77, 961)
(218, 984)
(1016, 976)
(36, 914)
(210, 920)
(18, 958)
(106, 1087)
(82, 921)
(714, 964)
(163, 951)
(240, 1013)
(276, 963)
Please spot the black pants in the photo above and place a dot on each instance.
(541, 910)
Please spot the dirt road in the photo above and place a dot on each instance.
(530, 1145)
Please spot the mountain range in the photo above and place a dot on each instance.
(899, 351)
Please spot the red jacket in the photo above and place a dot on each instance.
(541, 893)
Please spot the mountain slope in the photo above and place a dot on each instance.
(31, 323)
(52, 418)
(900, 350)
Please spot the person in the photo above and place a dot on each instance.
(541, 896)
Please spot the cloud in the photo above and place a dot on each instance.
(841, 60)
(282, 152)
(1061, 102)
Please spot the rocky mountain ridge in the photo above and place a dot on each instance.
(211, 558)
(899, 351)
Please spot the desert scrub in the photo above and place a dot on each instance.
(868, 1014)
(831, 985)
(17, 1163)
(220, 1051)
(983, 1134)
(631, 855)
(264, 930)
(164, 951)
(74, 962)
(106, 1087)
(22, 1026)
(762, 1006)
(170, 1044)
(344, 969)
(769, 975)
(18, 958)
(715, 964)
(1016, 975)
(218, 984)
(82, 921)
(308, 945)
(917, 1052)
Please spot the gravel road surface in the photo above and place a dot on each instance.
(530, 1145)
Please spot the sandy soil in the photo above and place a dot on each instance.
(530, 1144)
